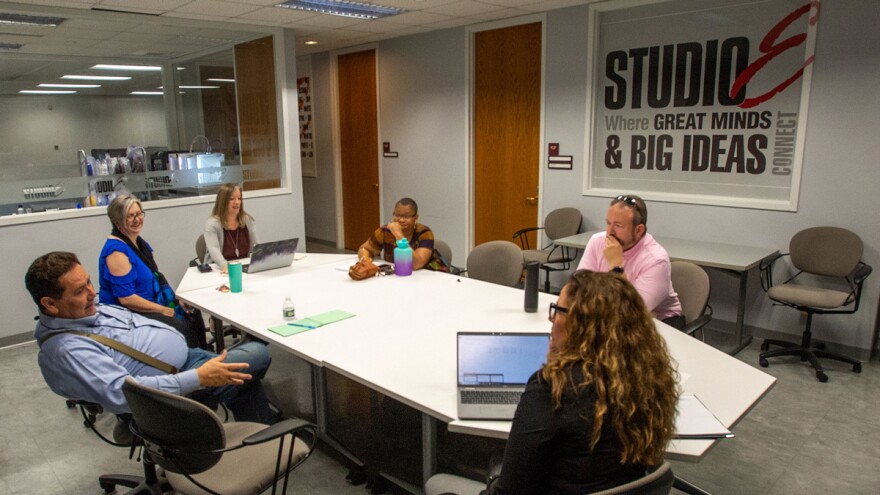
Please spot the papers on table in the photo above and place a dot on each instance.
(310, 323)
(694, 420)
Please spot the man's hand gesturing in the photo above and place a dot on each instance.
(216, 372)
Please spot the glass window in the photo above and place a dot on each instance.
(96, 138)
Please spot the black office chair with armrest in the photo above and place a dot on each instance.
(151, 482)
(200, 454)
(692, 285)
(656, 482)
(831, 255)
(559, 223)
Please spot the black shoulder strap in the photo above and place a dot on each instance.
(119, 346)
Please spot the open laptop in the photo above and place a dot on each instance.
(493, 369)
(271, 255)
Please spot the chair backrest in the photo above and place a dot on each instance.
(444, 250)
(657, 482)
(168, 422)
(498, 262)
(829, 251)
(201, 248)
(691, 283)
(562, 222)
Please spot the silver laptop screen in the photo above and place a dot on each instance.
(495, 359)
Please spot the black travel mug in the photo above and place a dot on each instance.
(531, 302)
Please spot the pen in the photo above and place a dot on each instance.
(311, 327)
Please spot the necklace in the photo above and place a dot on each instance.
(234, 242)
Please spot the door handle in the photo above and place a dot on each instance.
(533, 200)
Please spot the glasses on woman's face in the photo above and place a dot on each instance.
(556, 309)
(131, 217)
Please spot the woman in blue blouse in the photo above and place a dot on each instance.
(129, 276)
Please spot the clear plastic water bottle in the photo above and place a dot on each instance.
(288, 311)
(403, 264)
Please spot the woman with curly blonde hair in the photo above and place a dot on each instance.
(601, 411)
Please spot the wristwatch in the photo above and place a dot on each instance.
(617, 269)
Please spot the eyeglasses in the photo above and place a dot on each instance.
(634, 202)
(402, 217)
(555, 309)
(139, 216)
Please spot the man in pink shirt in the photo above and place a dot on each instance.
(627, 248)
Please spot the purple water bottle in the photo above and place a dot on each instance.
(402, 258)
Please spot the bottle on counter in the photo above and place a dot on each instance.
(288, 311)
(20, 210)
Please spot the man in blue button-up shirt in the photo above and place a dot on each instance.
(79, 367)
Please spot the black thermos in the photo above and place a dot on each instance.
(531, 303)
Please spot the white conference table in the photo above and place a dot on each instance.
(402, 341)
(730, 257)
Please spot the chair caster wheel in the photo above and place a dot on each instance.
(765, 346)
(821, 376)
(857, 368)
(763, 362)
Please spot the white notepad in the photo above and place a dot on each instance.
(695, 420)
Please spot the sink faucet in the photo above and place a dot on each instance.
(207, 143)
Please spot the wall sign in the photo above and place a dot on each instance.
(306, 123)
(699, 101)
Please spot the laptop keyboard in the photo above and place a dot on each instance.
(490, 397)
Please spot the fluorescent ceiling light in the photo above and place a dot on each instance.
(199, 87)
(44, 85)
(217, 79)
(155, 93)
(31, 20)
(97, 78)
(10, 46)
(144, 68)
(311, 42)
(342, 8)
(46, 92)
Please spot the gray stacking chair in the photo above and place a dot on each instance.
(559, 223)
(828, 280)
(498, 262)
(692, 285)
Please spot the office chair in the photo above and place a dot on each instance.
(228, 330)
(201, 454)
(559, 223)
(445, 253)
(656, 482)
(121, 437)
(832, 256)
(692, 285)
(201, 248)
(498, 262)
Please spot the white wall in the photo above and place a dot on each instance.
(423, 112)
(32, 126)
(318, 192)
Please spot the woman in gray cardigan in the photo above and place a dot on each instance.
(229, 231)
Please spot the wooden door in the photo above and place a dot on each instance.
(507, 119)
(257, 113)
(359, 145)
